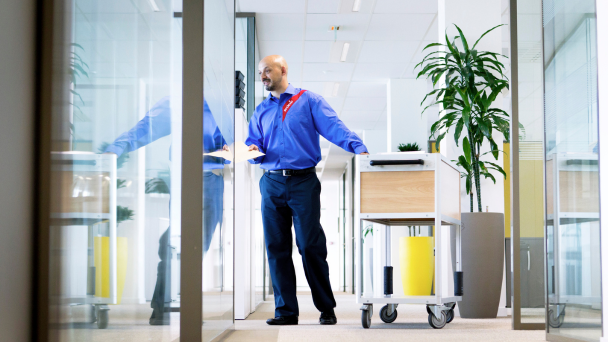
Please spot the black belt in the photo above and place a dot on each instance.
(293, 172)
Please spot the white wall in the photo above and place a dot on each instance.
(405, 122)
(16, 174)
(244, 271)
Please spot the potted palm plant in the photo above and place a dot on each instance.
(466, 82)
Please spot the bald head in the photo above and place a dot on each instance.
(276, 61)
(273, 71)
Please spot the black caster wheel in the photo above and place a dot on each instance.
(102, 318)
(92, 315)
(438, 323)
(556, 322)
(366, 318)
(450, 316)
(385, 317)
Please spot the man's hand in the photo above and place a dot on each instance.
(364, 153)
(253, 148)
(225, 148)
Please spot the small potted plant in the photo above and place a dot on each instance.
(409, 147)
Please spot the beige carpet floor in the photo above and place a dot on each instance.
(411, 325)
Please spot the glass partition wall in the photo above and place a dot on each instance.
(218, 174)
(114, 226)
(571, 164)
(112, 153)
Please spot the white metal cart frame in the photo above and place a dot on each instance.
(102, 165)
(441, 305)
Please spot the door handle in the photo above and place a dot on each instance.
(528, 259)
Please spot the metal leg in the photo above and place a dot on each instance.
(458, 249)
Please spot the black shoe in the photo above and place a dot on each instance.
(283, 320)
(159, 318)
(328, 318)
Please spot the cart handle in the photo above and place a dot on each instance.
(396, 162)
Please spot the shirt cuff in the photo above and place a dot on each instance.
(360, 149)
(115, 149)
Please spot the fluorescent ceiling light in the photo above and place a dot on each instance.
(357, 6)
(344, 52)
(335, 91)
(154, 5)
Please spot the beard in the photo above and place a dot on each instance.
(272, 85)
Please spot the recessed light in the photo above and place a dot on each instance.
(344, 52)
(356, 5)
(336, 88)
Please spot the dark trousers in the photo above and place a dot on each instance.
(295, 199)
(213, 210)
(162, 290)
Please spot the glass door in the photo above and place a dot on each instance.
(114, 225)
(571, 164)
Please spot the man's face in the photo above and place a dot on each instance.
(270, 75)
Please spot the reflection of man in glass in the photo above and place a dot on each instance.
(155, 125)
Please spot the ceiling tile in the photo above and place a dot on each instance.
(280, 26)
(271, 6)
(323, 6)
(365, 6)
(360, 115)
(338, 47)
(377, 71)
(290, 50)
(352, 26)
(336, 72)
(389, 52)
(315, 87)
(365, 103)
(419, 55)
(336, 103)
(295, 72)
(433, 31)
(367, 89)
(398, 26)
(405, 6)
(411, 72)
(317, 51)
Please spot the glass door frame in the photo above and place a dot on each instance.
(517, 324)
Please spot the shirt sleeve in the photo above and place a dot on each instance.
(256, 137)
(328, 124)
(155, 125)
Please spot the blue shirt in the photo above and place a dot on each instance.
(157, 124)
(287, 130)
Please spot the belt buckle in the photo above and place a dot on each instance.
(287, 173)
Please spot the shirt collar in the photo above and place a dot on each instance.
(290, 90)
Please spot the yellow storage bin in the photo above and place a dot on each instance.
(102, 266)
(417, 265)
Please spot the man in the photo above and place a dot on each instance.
(155, 125)
(286, 127)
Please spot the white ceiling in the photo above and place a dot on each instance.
(386, 40)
